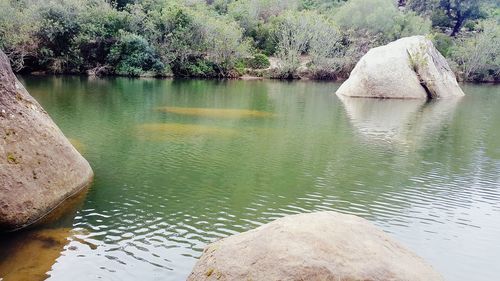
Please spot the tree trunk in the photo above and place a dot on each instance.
(457, 27)
(459, 22)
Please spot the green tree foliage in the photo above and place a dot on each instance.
(460, 11)
(259, 61)
(215, 38)
(190, 39)
(19, 23)
(369, 23)
(453, 14)
(256, 16)
(293, 32)
(478, 56)
(443, 43)
(133, 56)
(380, 20)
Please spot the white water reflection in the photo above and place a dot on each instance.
(398, 121)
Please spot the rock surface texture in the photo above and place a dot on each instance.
(39, 168)
(315, 246)
(409, 68)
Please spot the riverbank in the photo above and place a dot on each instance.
(250, 76)
(304, 71)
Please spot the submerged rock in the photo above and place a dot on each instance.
(410, 67)
(216, 112)
(315, 246)
(179, 131)
(39, 166)
(31, 254)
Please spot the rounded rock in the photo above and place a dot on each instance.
(314, 246)
(39, 168)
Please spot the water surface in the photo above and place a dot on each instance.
(179, 164)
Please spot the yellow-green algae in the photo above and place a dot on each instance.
(216, 112)
(158, 131)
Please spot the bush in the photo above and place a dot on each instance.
(478, 56)
(259, 61)
(197, 42)
(133, 56)
(59, 26)
(443, 43)
(18, 27)
(196, 67)
(262, 36)
(365, 24)
(379, 20)
(408, 24)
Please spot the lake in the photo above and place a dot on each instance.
(181, 163)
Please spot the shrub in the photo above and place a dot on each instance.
(133, 56)
(443, 43)
(223, 41)
(380, 20)
(258, 61)
(408, 24)
(365, 24)
(478, 56)
(58, 28)
(196, 67)
(18, 26)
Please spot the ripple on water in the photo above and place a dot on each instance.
(183, 177)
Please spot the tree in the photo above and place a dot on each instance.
(325, 48)
(19, 23)
(306, 32)
(223, 40)
(449, 13)
(460, 11)
(293, 33)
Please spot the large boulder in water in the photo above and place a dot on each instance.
(409, 68)
(315, 246)
(39, 166)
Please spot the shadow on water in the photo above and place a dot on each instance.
(29, 254)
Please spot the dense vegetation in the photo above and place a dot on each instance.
(223, 38)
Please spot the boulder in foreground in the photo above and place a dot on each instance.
(408, 68)
(315, 246)
(39, 168)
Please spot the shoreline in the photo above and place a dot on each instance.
(245, 77)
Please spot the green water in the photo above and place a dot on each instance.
(169, 182)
